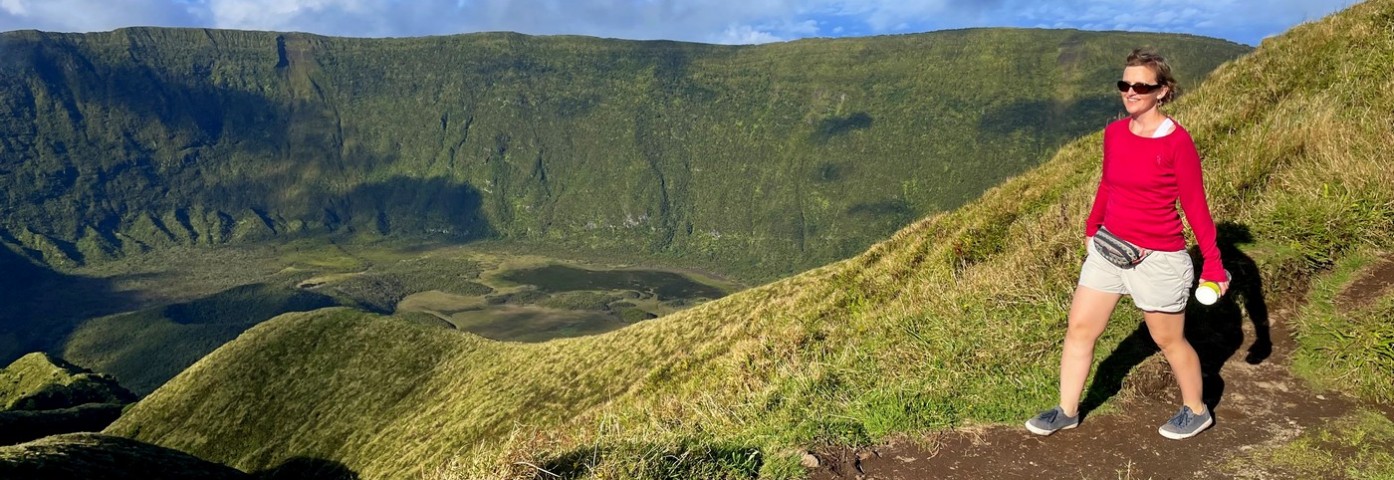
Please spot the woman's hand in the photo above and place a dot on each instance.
(1224, 285)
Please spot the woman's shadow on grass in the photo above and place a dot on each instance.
(1216, 331)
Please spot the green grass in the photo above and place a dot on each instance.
(753, 161)
(1345, 347)
(1357, 446)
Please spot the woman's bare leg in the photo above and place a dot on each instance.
(1167, 330)
(1089, 312)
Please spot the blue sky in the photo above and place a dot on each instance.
(711, 21)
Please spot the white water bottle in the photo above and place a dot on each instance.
(1208, 292)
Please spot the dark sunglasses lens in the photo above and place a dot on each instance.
(1140, 88)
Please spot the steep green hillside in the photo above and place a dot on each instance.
(954, 320)
(755, 160)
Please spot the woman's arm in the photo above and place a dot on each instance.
(1191, 184)
(1096, 213)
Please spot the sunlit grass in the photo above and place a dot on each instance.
(1356, 446)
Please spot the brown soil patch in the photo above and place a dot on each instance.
(1374, 283)
(1262, 404)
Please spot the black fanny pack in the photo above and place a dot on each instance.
(1118, 251)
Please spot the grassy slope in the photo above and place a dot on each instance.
(755, 160)
(954, 320)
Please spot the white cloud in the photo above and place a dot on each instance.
(269, 14)
(746, 34)
(766, 33)
(14, 7)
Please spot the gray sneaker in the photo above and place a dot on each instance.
(1186, 424)
(1050, 421)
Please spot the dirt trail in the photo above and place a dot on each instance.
(1260, 403)
(1266, 406)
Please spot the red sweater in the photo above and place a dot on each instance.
(1142, 179)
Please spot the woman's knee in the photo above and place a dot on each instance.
(1165, 341)
(1083, 331)
(1167, 329)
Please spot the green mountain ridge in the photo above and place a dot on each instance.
(954, 320)
(755, 160)
(39, 382)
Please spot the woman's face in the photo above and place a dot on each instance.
(1139, 103)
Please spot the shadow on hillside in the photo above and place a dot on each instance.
(1055, 122)
(305, 468)
(246, 304)
(228, 163)
(832, 127)
(38, 304)
(93, 456)
(19, 426)
(146, 348)
(187, 102)
(1216, 331)
(162, 126)
(408, 205)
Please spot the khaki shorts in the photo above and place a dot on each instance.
(1160, 283)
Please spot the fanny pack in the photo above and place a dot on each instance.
(1118, 251)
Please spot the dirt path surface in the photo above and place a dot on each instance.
(1374, 284)
(1259, 403)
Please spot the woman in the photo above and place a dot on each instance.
(1149, 163)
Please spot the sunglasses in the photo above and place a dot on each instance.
(1140, 88)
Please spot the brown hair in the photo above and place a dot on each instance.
(1143, 57)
